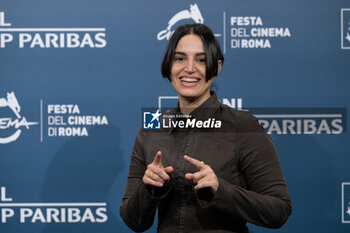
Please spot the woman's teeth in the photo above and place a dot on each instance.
(192, 80)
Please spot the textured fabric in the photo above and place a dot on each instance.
(251, 184)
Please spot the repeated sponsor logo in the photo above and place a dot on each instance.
(50, 37)
(171, 101)
(285, 120)
(193, 13)
(56, 120)
(11, 127)
(238, 31)
(345, 28)
(249, 32)
(301, 120)
(345, 208)
(66, 120)
(59, 213)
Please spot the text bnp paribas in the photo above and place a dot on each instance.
(53, 212)
(51, 37)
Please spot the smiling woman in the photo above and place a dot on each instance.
(211, 46)
(192, 60)
(232, 175)
(188, 72)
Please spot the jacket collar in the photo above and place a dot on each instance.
(207, 109)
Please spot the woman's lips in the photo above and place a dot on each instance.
(189, 81)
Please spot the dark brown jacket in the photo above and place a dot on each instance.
(251, 184)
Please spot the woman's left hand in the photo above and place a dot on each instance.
(205, 177)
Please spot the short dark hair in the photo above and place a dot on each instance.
(212, 49)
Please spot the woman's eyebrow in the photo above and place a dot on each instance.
(183, 53)
(180, 53)
(200, 54)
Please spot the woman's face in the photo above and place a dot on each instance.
(189, 69)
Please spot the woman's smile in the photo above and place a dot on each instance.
(187, 81)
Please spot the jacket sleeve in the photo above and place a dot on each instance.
(140, 202)
(265, 199)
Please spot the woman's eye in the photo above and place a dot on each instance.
(179, 59)
(201, 60)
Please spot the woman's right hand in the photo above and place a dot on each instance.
(156, 174)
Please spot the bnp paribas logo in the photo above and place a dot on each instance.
(11, 120)
(49, 37)
(345, 28)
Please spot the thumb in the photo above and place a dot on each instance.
(158, 158)
(169, 170)
(189, 176)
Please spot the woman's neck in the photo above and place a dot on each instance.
(187, 105)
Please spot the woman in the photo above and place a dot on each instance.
(212, 180)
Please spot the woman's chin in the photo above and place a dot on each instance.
(188, 95)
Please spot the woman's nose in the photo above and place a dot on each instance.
(190, 67)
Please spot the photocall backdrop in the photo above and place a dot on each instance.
(75, 75)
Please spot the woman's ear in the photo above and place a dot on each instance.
(219, 67)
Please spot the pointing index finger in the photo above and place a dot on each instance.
(193, 161)
(158, 158)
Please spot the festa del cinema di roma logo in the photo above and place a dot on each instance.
(6, 123)
(194, 13)
(63, 120)
(241, 32)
